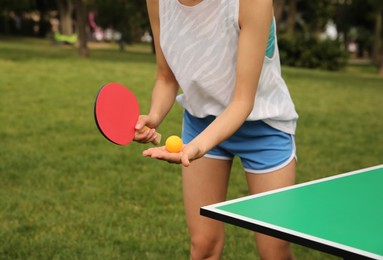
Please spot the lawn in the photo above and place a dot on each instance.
(67, 193)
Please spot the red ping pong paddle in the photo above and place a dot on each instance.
(116, 111)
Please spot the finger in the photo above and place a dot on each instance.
(154, 138)
(149, 152)
(153, 151)
(151, 135)
(185, 160)
(162, 154)
(145, 136)
(141, 122)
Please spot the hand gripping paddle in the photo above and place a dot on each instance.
(116, 112)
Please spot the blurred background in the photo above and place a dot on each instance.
(318, 34)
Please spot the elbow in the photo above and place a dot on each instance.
(249, 108)
(244, 106)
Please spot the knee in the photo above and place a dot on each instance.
(205, 247)
(281, 252)
(270, 248)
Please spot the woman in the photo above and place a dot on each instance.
(224, 57)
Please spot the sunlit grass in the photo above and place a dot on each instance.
(67, 193)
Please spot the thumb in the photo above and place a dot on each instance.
(141, 122)
(185, 160)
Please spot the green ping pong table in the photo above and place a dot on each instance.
(340, 215)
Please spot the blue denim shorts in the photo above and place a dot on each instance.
(260, 147)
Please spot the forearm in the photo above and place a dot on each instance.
(252, 43)
(223, 126)
(166, 87)
(163, 96)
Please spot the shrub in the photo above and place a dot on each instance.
(312, 53)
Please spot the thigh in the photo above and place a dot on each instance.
(205, 182)
(273, 180)
(270, 247)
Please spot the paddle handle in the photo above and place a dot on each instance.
(156, 141)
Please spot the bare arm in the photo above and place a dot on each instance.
(255, 17)
(166, 86)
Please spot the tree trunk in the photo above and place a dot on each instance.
(81, 29)
(43, 24)
(65, 10)
(291, 17)
(380, 71)
(377, 38)
(6, 21)
(278, 11)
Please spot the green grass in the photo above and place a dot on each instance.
(66, 193)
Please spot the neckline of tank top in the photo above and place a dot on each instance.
(195, 6)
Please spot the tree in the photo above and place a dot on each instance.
(279, 6)
(65, 12)
(315, 14)
(365, 18)
(380, 70)
(11, 10)
(377, 44)
(309, 17)
(126, 16)
(81, 28)
(292, 17)
(43, 7)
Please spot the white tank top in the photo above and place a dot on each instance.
(200, 46)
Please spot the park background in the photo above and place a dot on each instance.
(67, 193)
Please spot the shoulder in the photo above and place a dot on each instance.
(152, 2)
(251, 11)
(152, 6)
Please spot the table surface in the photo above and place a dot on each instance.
(340, 215)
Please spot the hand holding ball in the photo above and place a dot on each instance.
(173, 144)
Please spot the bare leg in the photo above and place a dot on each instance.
(270, 247)
(205, 182)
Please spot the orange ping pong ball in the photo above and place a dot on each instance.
(173, 144)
